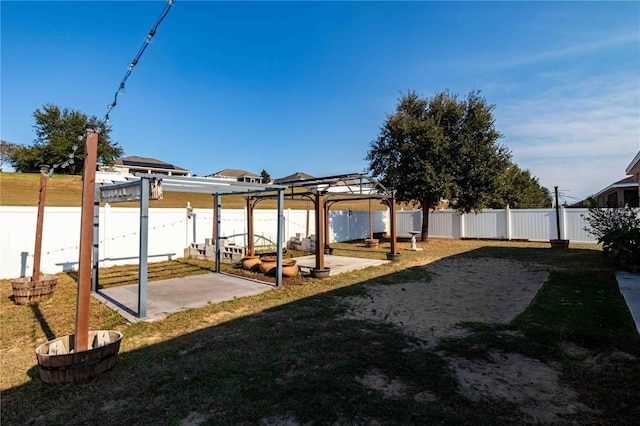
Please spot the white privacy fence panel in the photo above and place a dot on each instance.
(533, 224)
(411, 220)
(349, 225)
(488, 224)
(524, 224)
(575, 225)
(170, 231)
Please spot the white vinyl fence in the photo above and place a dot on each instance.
(170, 231)
(508, 224)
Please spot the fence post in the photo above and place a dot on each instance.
(564, 223)
(462, 230)
(507, 212)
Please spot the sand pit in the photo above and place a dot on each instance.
(460, 289)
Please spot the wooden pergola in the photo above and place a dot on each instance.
(326, 191)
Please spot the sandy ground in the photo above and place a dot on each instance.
(484, 290)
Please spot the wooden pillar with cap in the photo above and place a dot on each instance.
(392, 223)
(86, 239)
(37, 252)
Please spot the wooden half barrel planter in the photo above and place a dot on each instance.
(26, 291)
(60, 363)
(371, 242)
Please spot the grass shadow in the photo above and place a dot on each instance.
(44, 325)
(299, 359)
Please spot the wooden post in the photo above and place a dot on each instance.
(307, 227)
(326, 226)
(392, 220)
(37, 252)
(370, 220)
(86, 239)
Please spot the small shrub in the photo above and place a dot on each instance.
(618, 230)
(624, 247)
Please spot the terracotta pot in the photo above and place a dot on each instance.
(251, 262)
(267, 263)
(289, 268)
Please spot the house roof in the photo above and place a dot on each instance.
(634, 167)
(628, 182)
(146, 162)
(233, 173)
(295, 177)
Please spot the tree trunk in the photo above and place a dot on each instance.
(425, 221)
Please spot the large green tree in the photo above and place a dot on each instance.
(7, 151)
(440, 148)
(57, 131)
(520, 190)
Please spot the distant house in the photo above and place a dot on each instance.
(633, 168)
(133, 165)
(236, 176)
(296, 177)
(620, 193)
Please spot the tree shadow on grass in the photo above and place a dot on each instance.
(302, 360)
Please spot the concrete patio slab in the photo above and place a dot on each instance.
(179, 294)
(339, 264)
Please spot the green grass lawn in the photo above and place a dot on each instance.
(290, 355)
(22, 189)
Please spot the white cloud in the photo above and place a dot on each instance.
(579, 135)
(581, 49)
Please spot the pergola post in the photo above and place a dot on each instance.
(214, 231)
(370, 220)
(392, 223)
(218, 210)
(325, 209)
(250, 245)
(319, 204)
(144, 248)
(96, 240)
(280, 236)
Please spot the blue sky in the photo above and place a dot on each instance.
(305, 86)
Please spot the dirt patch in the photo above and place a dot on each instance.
(283, 420)
(461, 289)
(193, 419)
(533, 385)
(480, 290)
(376, 380)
